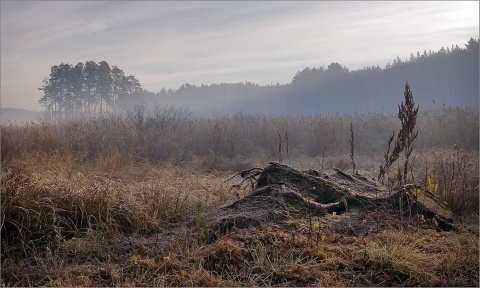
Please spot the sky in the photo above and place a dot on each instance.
(167, 44)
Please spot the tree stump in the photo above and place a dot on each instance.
(340, 200)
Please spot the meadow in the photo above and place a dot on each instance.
(125, 200)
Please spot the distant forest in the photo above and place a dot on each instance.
(447, 77)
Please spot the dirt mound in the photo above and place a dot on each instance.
(283, 195)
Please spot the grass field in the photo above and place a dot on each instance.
(126, 201)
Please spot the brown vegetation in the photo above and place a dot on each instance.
(407, 113)
(110, 201)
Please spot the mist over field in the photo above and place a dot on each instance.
(439, 79)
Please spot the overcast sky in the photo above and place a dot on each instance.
(166, 44)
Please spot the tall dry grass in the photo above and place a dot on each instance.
(452, 174)
(52, 201)
(158, 135)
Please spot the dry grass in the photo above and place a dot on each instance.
(424, 258)
(454, 178)
(55, 208)
(159, 137)
(92, 203)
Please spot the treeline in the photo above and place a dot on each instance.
(445, 78)
(448, 77)
(89, 89)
